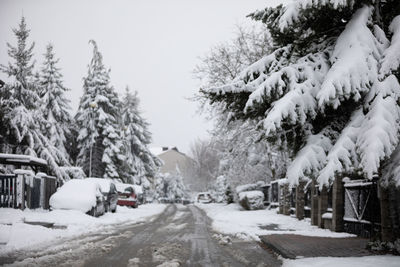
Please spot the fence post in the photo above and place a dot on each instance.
(337, 205)
(386, 224)
(314, 203)
(300, 200)
(21, 191)
(322, 205)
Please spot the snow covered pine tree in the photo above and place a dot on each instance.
(99, 139)
(139, 163)
(56, 107)
(330, 89)
(20, 108)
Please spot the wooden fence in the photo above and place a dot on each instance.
(22, 191)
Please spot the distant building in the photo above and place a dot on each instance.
(172, 160)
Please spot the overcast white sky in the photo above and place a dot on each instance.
(150, 45)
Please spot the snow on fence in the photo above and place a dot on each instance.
(23, 190)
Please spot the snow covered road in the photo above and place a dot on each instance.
(180, 236)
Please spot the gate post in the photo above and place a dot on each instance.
(322, 205)
(300, 200)
(386, 224)
(314, 203)
(285, 199)
(337, 205)
(20, 191)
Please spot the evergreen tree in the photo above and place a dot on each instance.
(21, 118)
(55, 106)
(331, 89)
(139, 160)
(99, 141)
(244, 156)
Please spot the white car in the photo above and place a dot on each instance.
(204, 197)
(79, 194)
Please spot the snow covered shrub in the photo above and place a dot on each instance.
(251, 200)
(222, 191)
(385, 247)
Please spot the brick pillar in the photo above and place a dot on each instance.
(386, 224)
(337, 205)
(300, 200)
(314, 203)
(322, 205)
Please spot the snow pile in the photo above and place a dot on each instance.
(76, 195)
(232, 220)
(252, 200)
(367, 261)
(67, 224)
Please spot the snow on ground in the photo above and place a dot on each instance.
(367, 261)
(248, 224)
(15, 234)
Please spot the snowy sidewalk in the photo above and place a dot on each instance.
(308, 244)
(297, 246)
(17, 232)
(249, 225)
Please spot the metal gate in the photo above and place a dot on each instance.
(361, 208)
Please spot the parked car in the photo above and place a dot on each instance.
(126, 195)
(79, 194)
(164, 200)
(109, 192)
(204, 197)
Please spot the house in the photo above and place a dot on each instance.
(173, 160)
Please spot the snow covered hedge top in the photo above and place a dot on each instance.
(251, 195)
(331, 90)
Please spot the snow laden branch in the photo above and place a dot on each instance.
(342, 156)
(354, 62)
(344, 78)
(311, 158)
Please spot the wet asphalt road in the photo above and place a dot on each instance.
(180, 236)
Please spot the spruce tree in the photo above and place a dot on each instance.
(55, 106)
(99, 141)
(21, 117)
(139, 160)
(330, 91)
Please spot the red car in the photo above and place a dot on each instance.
(126, 195)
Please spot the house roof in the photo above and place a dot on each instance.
(16, 159)
(161, 150)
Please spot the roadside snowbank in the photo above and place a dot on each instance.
(367, 261)
(15, 234)
(249, 224)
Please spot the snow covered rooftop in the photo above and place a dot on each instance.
(22, 160)
(162, 149)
